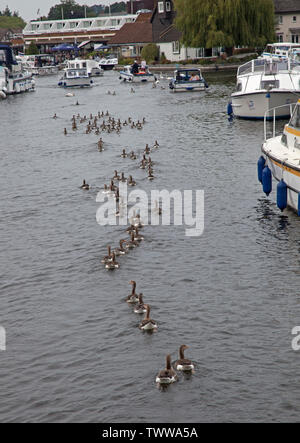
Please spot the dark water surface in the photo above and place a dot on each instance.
(74, 351)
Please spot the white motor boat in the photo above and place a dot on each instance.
(142, 76)
(281, 161)
(108, 63)
(40, 65)
(14, 79)
(188, 80)
(92, 66)
(75, 78)
(279, 51)
(263, 84)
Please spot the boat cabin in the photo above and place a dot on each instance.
(75, 73)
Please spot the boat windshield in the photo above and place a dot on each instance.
(190, 75)
(295, 120)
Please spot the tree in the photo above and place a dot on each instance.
(228, 23)
(7, 12)
(115, 8)
(150, 53)
(32, 49)
(69, 9)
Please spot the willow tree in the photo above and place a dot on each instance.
(227, 23)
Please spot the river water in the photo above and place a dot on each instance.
(74, 351)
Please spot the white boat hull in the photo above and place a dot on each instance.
(291, 177)
(189, 86)
(254, 105)
(76, 83)
(137, 78)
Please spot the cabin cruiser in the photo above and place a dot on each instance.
(41, 64)
(75, 78)
(188, 80)
(281, 161)
(13, 77)
(263, 84)
(142, 76)
(92, 66)
(279, 51)
(108, 63)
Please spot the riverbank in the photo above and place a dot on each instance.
(204, 68)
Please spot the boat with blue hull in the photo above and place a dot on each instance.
(280, 160)
(75, 78)
(142, 76)
(188, 80)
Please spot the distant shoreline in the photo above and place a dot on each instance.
(173, 67)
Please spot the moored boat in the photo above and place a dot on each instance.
(142, 76)
(14, 79)
(263, 84)
(281, 161)
(188, 80)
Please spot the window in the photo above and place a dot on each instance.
(280, 38)
(161, 7)
(72, 25)
(295, 120)
(294, 18)
(280, 20)
(295, 38)
(239, 87)
(168, 6)
(176, 47)
(200, 52)
(269, 84)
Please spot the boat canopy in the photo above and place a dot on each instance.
(295, 119)
(6, 56)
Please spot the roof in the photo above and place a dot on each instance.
(144, 17)
(286, 6)
(138, 32)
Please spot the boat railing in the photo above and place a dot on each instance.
(266, 66)
(271, 117)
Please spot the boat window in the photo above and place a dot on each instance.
(239, 87)
(295, 120)
(2, 56)
(269, 84)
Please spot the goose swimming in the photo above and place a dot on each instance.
(141, 308)
(148, 324)
(133, 297)
(85, 186)
(167, 375)
(111, 265)
(183, 364)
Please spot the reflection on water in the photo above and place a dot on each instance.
(74, 350)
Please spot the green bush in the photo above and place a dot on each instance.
(32, 49)
(125, 61)
(150, 53)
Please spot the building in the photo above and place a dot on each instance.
(132, 37)
(287, 20)
(46, 34)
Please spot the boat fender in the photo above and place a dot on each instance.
(267, 180)
(260, 166)
(282, 195)
(229, 108)
(206, 85)
(2, 94)
(155, 78)
(120, 78)
(17, 88)
(268, 95)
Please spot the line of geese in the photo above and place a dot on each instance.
(168, 375)
(109, 125)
